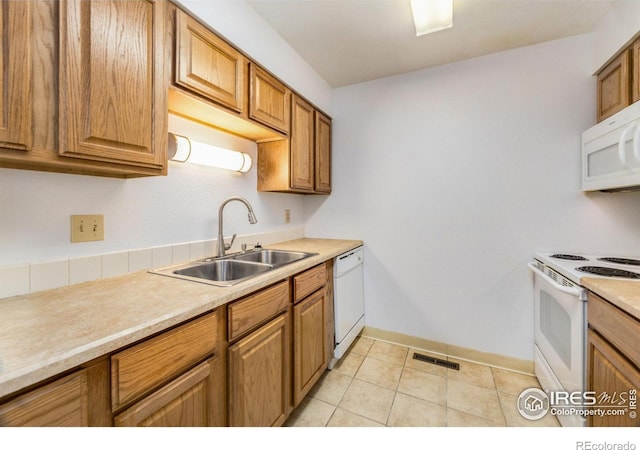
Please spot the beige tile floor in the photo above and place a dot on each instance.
(379, 384)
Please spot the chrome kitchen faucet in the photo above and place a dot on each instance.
(222, 247)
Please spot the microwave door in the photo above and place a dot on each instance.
(612, 160)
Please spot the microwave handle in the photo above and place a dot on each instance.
(622, 141)
(636, 143)
(575, 292)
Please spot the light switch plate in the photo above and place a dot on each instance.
(86, 228)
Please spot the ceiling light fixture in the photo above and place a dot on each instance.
(183, 149)
(432, 15)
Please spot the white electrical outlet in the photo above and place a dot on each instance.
(287, 216)
(85, 228)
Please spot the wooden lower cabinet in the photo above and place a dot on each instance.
(174, 379)
(610, 372)
(77, 400)
(613, 362)
(309, 344)
(260, 376)
(247, 364)
(188, 401)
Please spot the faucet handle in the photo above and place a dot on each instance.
(228, 246)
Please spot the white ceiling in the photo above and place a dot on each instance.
(351, 41)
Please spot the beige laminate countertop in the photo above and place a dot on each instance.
(625, 294)
(46, 333)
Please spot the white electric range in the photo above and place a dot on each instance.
(560, 317)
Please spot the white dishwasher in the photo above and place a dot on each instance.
(348, 299)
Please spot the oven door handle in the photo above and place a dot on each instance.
(576, 292)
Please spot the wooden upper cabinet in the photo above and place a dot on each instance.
(302, 145)
(207, 65)
(15, 75)
(269, 99)
(113, 85)
(323, 154)
(302, 163)
(614, 92)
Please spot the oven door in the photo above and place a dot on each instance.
(560, 329)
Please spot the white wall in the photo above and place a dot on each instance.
(614, 31)
(454, 177)
(140, 212)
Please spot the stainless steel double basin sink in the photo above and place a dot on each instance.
(232, 269)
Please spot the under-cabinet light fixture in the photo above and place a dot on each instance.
(183, 149)
(432, 15)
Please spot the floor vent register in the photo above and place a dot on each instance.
(436, 361)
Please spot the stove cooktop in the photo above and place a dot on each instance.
(608, 272)
(576, 266)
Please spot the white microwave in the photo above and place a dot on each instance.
(611, 152)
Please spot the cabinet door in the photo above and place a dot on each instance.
(302, 145)
(269, 100)
(611, 373)
(113, 90)
(323, 154)
(309, 353)
(15, 74)
(614, 92)
(208, 65)
(188, 401)
(259, 376)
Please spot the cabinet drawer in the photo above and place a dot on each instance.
(618, 327)
(63, 403)
(186, 401)
(145, 366)
(308, 282)
(251, 311)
